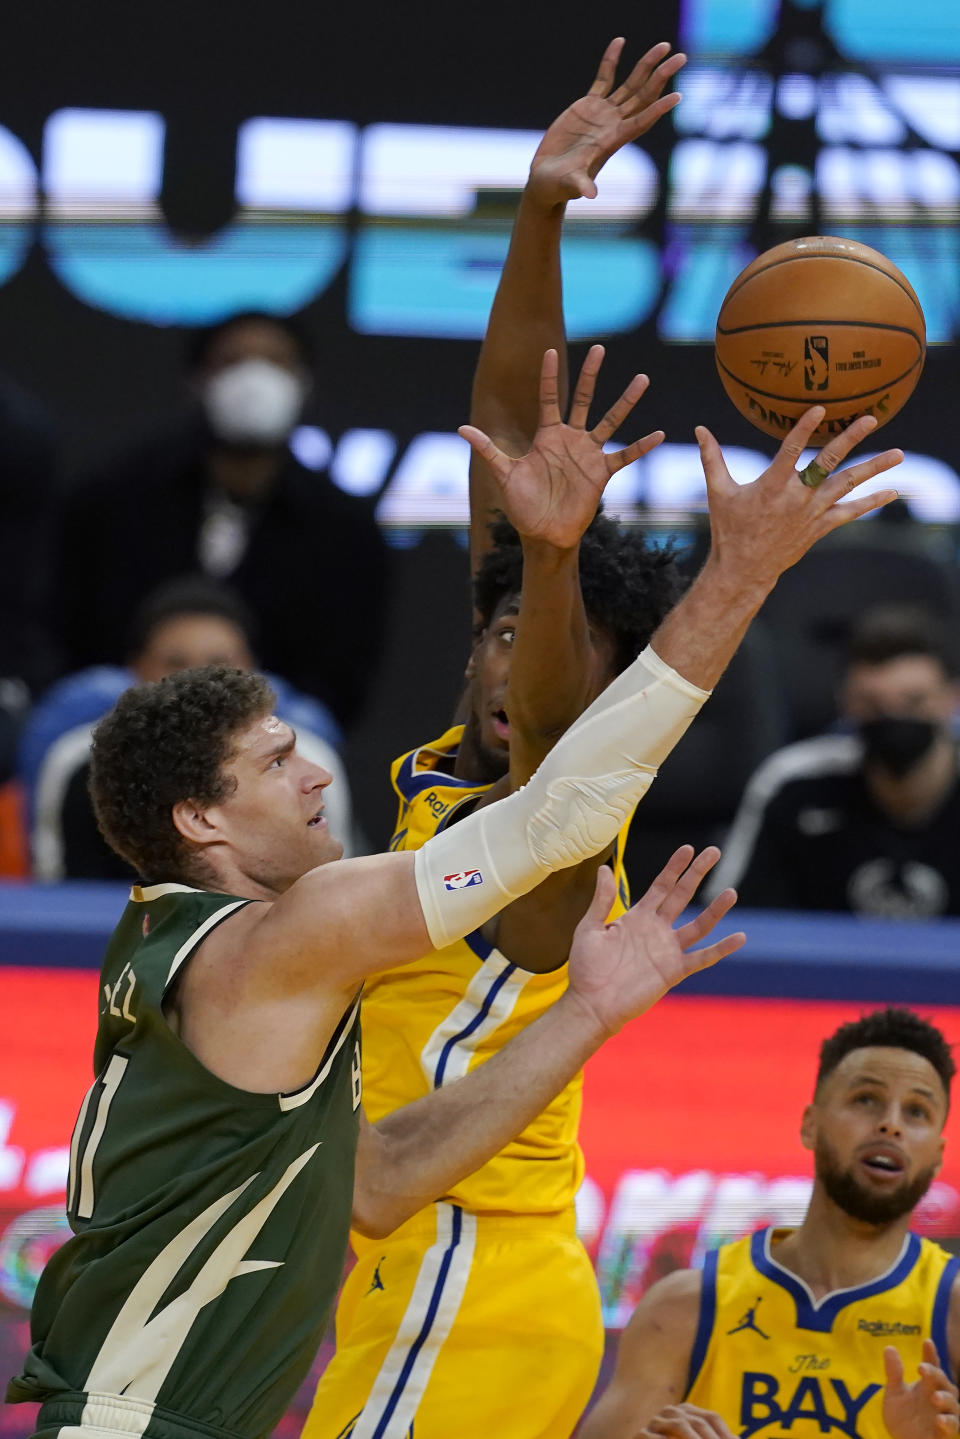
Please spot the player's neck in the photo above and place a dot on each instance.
(831, 1251)
(224, 876)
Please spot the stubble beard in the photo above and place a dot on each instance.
(847, 1192)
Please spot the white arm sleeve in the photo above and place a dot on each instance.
(572, 808)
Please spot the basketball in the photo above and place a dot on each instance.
(819, 321)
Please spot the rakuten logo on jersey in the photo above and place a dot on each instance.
(463, 880)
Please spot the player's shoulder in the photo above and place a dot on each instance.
(430, 768)
(161, 918)
(662, 1331)
(672, 1303)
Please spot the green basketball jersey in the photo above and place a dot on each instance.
(210, 1224)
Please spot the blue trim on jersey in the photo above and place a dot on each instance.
(478, 944)
(708, 1312)
(941, 1308)
(475, 1022)
(425, 1328)
(820, 1317)
(410, 784)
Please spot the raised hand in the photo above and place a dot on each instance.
(552, 493)
(926, 1409)
(763, 528)
(593, 128)
(620, 970)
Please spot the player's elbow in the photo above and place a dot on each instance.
(371, 1219)
(379, 1204)
(376, 1212)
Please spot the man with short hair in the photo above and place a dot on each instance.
(783, 1331)
(868, 820)
(186, 623)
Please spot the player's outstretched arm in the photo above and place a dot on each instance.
(653, 1362)
(926, 1409)
(527, 313)
(550, 494)
(617, 972)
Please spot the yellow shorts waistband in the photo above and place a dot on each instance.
(424, 1225)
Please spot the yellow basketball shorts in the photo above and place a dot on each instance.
(464, 1325)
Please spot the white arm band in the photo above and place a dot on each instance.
(573, 807)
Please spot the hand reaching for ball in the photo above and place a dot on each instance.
(759, 530)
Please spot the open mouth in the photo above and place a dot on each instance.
(317, 820)
(882, 1162)
(501, 725)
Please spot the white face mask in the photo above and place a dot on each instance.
(253, 402)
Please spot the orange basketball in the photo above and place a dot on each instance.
(819, 321)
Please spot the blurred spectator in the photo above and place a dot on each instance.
(29, 496)
(224, 494)
(869, 820)
(186, 623)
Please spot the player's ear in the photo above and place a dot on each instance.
(191, 821)
(939, 1164)
(808, 1127)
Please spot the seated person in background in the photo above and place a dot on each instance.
(867, 821)
(185, 624)
(222, 493)
(783, 1331)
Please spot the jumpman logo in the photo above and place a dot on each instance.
(749, 1321)
(376, 1282)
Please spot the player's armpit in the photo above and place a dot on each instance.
(653, 1360)
(535, 932)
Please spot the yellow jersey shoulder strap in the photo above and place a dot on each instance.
(428, 796)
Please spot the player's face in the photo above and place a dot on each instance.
(273, 821)
(489, 674)
(876, 1130)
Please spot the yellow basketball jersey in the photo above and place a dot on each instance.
(773, 1362)
(427, 1023)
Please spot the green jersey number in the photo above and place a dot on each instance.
(80, 1190)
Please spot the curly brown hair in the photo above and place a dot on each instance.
(629, 585)
(163, 743)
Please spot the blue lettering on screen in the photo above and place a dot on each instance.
(440, 282)
(143, 272)
(727, 27)
(882, 31)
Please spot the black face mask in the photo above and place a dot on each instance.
(896, 743)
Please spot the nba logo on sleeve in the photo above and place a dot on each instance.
(463, 880)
